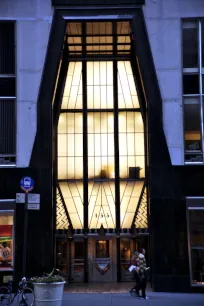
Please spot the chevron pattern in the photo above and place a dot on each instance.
(141, 218)
(61, 222)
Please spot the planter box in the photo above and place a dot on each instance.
(48, 294)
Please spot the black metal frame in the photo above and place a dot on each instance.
(49, 78)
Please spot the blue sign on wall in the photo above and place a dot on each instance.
(27, 183)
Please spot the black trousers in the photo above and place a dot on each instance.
(141, 286)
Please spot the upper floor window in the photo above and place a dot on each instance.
(193, 83)
(7, 94)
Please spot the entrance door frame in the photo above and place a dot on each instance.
(149, 91)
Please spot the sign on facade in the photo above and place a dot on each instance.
(33, 206)
(33, 198)
(27, 183)
(20, 197)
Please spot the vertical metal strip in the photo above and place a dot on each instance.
(200, 82)
(85, 152)
(116, 142)
(56, 113)
(189, 246)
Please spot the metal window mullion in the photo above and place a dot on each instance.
(85, 154)
(116, 145)
(200, 83)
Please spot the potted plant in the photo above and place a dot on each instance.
(48, 289)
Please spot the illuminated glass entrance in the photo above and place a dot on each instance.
(101, 136)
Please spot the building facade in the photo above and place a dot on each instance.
(101, 103)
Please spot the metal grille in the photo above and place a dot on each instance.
(7, 94)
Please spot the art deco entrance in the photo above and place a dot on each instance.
(100, 147)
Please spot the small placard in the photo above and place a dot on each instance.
(20, 197)
(33, 206)
(33, 198)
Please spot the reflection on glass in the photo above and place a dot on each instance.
(100, 85)
(125, 250)
(102, 249)
(101, 204)
(196, 223)
(72, 97)
(61, 258)
(192, 125)
(127, 94)
(100, 145)
(6, 240)
(129, 197)
(70, 146)
(197, 260)
(79, 250)
(73, 197)
(190, 46)
(196, 234)
(190, 84)
(131, 145)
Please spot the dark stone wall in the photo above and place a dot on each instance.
(168, 185)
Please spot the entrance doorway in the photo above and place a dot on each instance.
(102, 259)
(77, 261)
(100, 163)
(127, 247)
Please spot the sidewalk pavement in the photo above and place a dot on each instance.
(121, 299)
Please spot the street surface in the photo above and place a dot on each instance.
(125, 299)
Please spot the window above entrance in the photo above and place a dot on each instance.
(101, 132)
(98, 38)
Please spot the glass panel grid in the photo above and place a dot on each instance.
(127, 94)
(129, 197)
(100, 85)
(70, 146)
(100, 139)
(196, 245)
(100, 145)
(99, 38)
(131, 145)
(101, 204)
(192, 88)
(72, 97)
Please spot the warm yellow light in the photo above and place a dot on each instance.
(192, 135)
(127, 94)
(131, 143)
(100, 85)
(100, 144)
(70, 145)
(72, 97)
(129, 195)
(102, 205)
(72, 194)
